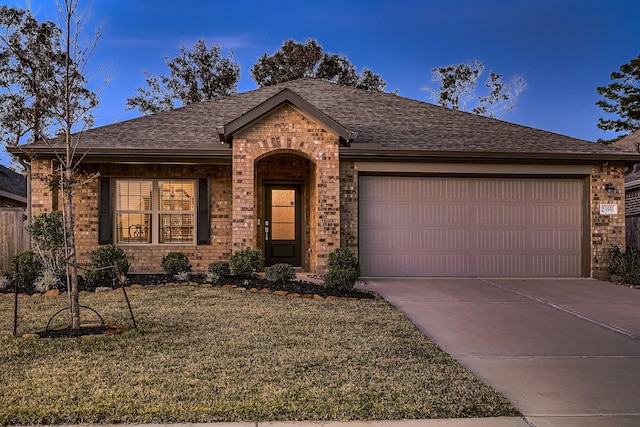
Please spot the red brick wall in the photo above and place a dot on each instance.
(288, 131)
(606, 230)
(147, 258)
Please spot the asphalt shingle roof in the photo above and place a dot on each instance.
(383, 120)
(12, 182)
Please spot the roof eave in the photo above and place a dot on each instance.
(12, 196)
(136, 155)
(375, 154)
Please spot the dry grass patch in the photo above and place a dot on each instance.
(209, 354)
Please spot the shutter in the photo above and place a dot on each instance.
(203, 220)
(105, 218)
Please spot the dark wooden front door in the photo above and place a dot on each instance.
(282, 229)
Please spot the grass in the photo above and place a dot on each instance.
(211, 354)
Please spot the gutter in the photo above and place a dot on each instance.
(408, 155)
(13, 196)
(224, 155)
(133, 155)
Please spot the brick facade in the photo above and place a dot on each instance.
(285, 146)
(287, 131)
(144, 258)
(606, 230)
(349, 205)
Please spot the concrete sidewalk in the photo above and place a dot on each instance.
(566, 352)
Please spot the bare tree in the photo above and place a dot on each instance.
(457, 89)
(43, 67)
(73, 115)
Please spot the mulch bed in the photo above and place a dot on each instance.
(297, 286)
(85, 330)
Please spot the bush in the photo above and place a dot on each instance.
(6, 281)
(48, 241)
(246, 262)
(280, 273)
(175, 262)
(220, 268)
(30, 268)
(343, 270)
(106, 256)
(625, 264)
(47, 281)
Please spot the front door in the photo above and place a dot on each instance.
(282, 230)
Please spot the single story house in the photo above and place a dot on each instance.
(631, 143)
(13, 189)
(301, 168)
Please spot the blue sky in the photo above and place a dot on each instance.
(564, 48)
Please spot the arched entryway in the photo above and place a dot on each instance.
(284, 186)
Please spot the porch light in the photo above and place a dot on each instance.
(610, 189)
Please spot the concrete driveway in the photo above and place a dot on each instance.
(566, 352)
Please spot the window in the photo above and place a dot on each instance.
(155, 211)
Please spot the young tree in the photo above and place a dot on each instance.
(622, 98)
(45, 90)
(73, 114)
(297, 60)
(195, 75)
(457, 89)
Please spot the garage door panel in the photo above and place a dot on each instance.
(449, 226)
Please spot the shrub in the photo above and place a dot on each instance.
(5, 281)
(175, 262)
(280, 273)
(210, 277)
(29, 266)
(47, 281)
(220, 268)
(625, 264)
(48, 241)
(106, 256)
(246, 262)
(343, 269)
(182, 276)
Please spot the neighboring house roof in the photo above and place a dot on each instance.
(385, 125)
(13, 185)
(631, 143)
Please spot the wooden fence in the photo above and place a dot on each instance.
(13, 236)
(632, 228)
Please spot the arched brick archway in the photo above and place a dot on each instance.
(287, 135)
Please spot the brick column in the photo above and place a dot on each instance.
(244, 198)
(606, 230)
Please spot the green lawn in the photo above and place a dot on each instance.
(212, 354)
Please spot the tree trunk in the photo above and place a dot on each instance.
(72, 265)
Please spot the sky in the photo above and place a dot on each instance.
(564, 49)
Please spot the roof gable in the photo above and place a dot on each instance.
(285, 96)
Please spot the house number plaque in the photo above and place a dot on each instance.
(608, 209)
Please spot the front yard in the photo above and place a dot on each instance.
(213, 354)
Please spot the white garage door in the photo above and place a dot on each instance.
(450, 226)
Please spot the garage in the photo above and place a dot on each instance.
(471, 226)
